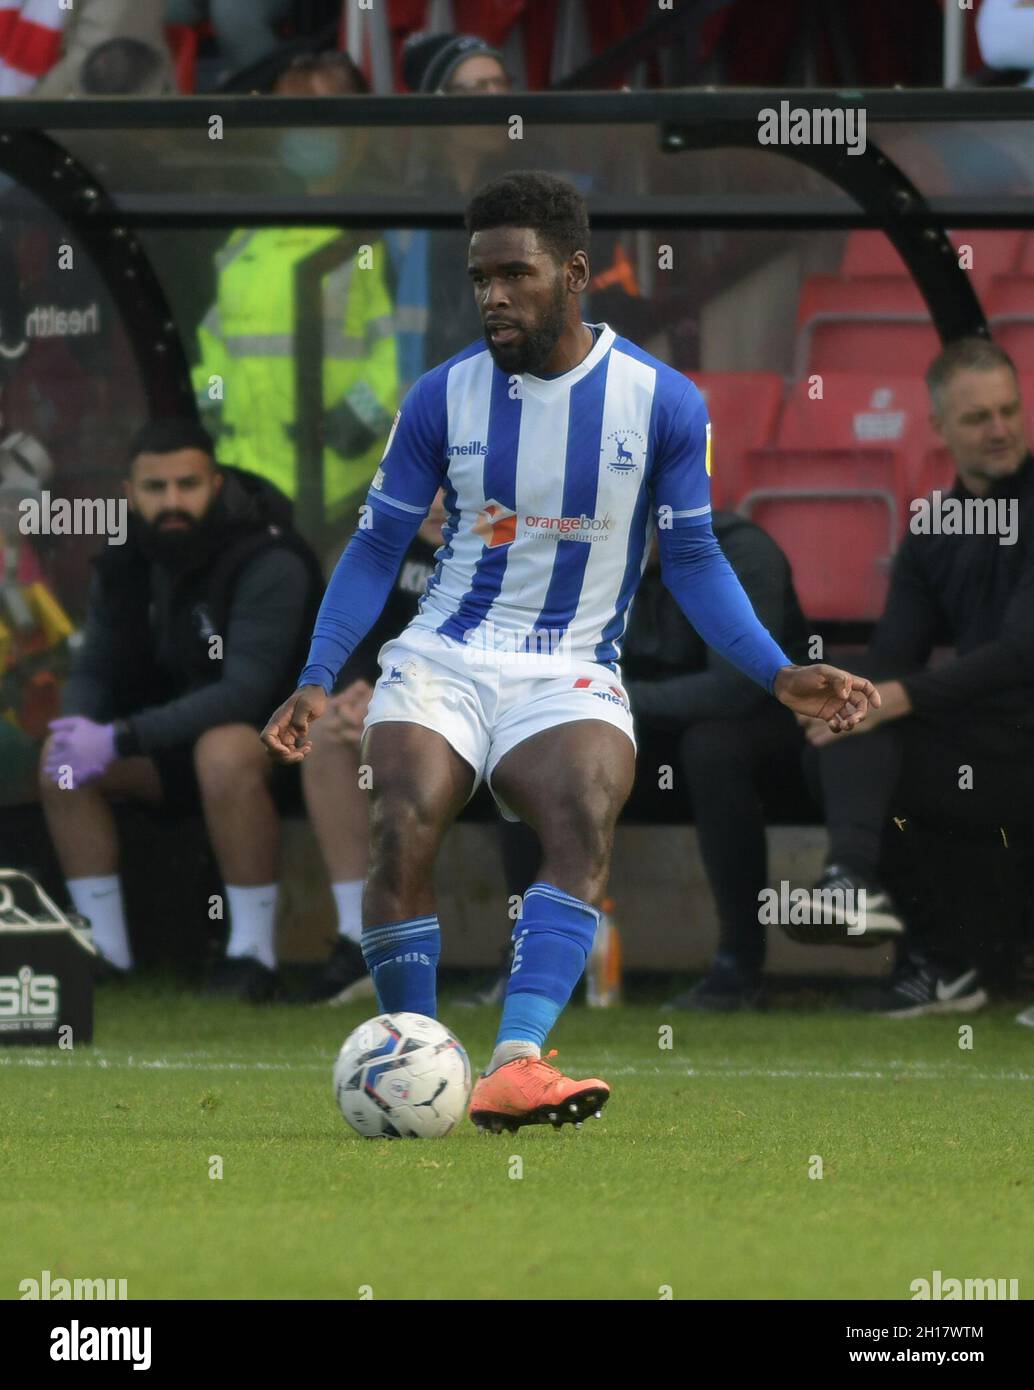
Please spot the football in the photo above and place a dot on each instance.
(402, 1076)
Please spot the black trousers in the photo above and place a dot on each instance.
(727, 777)
(947, 825)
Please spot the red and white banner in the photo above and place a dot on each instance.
(30, 42)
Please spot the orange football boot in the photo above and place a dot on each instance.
(528, 1091)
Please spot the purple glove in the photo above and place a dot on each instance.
(80, 744)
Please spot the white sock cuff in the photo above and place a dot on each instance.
(348, 898)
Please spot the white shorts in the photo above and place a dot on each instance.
(483, 710)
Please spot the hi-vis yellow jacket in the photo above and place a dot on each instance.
(247, 353)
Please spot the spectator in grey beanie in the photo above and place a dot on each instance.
(432, 63)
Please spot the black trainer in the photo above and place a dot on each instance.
(243, 977)
(919, 988)
(845, 909)
(344, 977)
(724, 989)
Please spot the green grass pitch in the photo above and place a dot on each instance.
(695, 1184)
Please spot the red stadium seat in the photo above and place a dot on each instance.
(994, 253)
(839, 532)
(835, 489)
(1026, 265)
(848, 325)
(859, 411)
(1010, 313)
(744, 408)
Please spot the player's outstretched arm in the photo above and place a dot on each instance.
(826, 692)
(286, 735)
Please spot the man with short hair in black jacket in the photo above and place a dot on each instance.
(194, 627)
(950, 772)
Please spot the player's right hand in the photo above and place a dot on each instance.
(286, 734)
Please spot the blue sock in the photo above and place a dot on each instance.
(403, 958)
(551, 942)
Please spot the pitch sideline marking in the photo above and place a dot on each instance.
(892, 1071)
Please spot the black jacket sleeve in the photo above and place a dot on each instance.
(267, 609)
(99, 667)
(911, 622)
(1001, 664)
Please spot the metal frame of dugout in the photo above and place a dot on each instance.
(33, 152)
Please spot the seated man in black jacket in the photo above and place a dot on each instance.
(949, 775)
(193, 628)
(335, 789)
(732, 753)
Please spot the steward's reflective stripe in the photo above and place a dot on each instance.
(229, 254)
(212, 322)
(260, 344)
(411, 318)
(381, 327)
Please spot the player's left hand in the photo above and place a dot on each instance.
(823, 692)
(894, 703)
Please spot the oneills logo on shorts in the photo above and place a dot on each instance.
(613, 694)
(496, 524)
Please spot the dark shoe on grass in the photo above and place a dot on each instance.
(723, 990)
(344, 978)
(846, 909)
(920, 988)
(243, 977)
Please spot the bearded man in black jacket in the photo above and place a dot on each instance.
(936, 812)
(194, 628)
